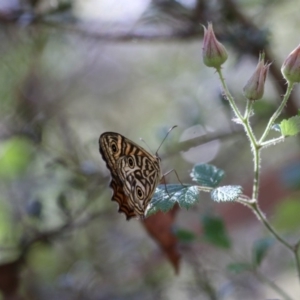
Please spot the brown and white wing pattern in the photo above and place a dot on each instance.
(135, 173)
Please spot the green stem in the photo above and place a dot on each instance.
(256, 146)
(244, 120)
(229, 97)
(294, 249)
(255, 149)
(255, 207)
(277, 112)
(247, 126)
(272, 142)
(256, 154)
(248, 129)
(248, 110)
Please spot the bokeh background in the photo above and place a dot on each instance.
(71, 70)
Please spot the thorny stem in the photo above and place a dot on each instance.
(248, 110)
(253, 205)
(256, 147)
(277, 112)
(256, 154)
(272, 142)
(228, 96)
(248, 129)
(256, 209)
(243, 120)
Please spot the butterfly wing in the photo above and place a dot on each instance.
(121, 199)
(110, 147)
(107, 141)
(135, 173)
(140, 177)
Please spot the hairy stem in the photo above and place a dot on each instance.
(293, 248)
(272, 142)
(255, 190)
(277, 112)
(256, 209)
(256, 147)
(229, 97)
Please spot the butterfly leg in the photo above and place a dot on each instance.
(173, 170)
(164, 181)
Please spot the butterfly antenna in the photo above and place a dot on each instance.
(156, 153)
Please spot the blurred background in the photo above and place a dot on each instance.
(71, 70)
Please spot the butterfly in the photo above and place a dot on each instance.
(135, 173)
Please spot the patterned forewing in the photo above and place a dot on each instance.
(111, 158)
(106, 141)
(145, 173)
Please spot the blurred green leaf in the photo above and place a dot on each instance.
(260, 249)
(226, 193)
(15, 155)
(290, 126)
(214, 231)
(185, 236)
(167, 195)
(207, 175)
(286, 214)
(239, 267)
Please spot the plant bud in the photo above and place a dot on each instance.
(291, 66)
(254, 88)
(214, 53)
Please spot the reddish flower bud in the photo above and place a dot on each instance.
(291, 66)
(254, 88)
(214, 53)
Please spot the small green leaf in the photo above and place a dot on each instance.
(260, 249)
(207, 175)
(290, 126)
(226, 193)
(214, 231)
(276, 127)
(187, 197)
(237, 268)
(167, 195)
(185, 236)
(160, 201)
